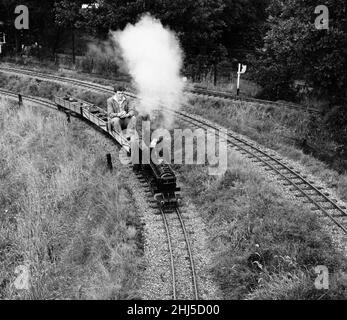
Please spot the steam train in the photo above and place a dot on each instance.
(161, 177)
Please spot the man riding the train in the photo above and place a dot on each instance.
(121, 114)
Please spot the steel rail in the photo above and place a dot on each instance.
(173, 272)
(190, 254)
(192, 90)
(39, 75)
(40, 101)
(229, 96)
(100, 88)
(52, 105)
(242, 144)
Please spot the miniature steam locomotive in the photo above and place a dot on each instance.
(160, 177)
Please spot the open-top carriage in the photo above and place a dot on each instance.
(161, 177)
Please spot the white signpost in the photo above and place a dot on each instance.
(2, 40)
(95, 5)
(242, 69)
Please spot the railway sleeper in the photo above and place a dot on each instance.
(274, 162)
(300, 195)
(304, 188)
(326, 208)
(277, 168)
(290, 176)
(297, 183)
(317, 200)
(320, 195)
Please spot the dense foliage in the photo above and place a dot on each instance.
(294, 49)
(209, 30)
(279, 36)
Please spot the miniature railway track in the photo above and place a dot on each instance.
(172, 264)
(175, 282)
(52, 78)
(193, 89)
(164, 213)
(299, 184)
(301, 187)
(40, 101)
(189, 250)
(288, 176)
(229, 96)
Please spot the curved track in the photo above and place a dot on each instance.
(301, 187)
(191, 260)
(52, 78)
(208, 93)
(229, 96)
(175, 284)
(40, 101)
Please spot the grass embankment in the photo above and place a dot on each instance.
(249, 88)
(277, 129)
(102, 73)
(105, 71)
(48, 90)
(63, 216)
(265, 246)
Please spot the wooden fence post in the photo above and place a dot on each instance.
(20, 100)
(109, 162)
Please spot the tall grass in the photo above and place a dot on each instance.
(265, 246)
(247, 88)
(279, 129)
(62, 214)
(342, 187)
(92, 65)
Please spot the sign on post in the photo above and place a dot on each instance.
(242, 69)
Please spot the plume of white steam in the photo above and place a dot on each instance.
(153, 57)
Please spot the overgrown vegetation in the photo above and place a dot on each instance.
(48, 90)
(301, 138)
(278, 40)
(295, 50)
(247, 88)
(62, 214)
(208, 30)
(265, 246)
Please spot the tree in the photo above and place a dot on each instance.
(197, 23)
(41, 28)
(209, 30)
(295, 50)
(245, 21)
(68, 15)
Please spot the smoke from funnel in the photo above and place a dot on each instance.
(153, 57)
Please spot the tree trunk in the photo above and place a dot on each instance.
(73, 47)
(16, 40)
(215, 74)
(56, 42)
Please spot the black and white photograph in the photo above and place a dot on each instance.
(173, 157)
